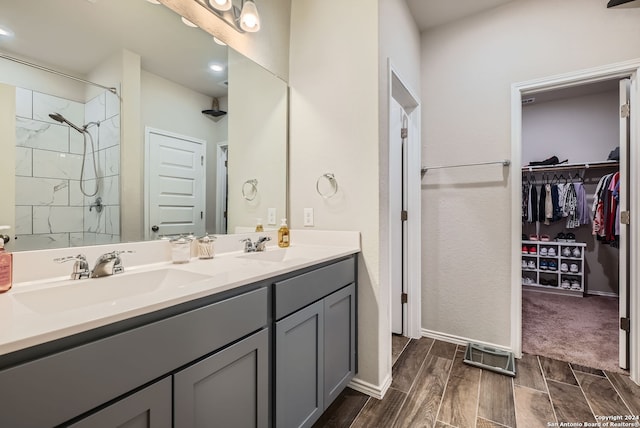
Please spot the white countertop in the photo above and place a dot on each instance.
(40, 311)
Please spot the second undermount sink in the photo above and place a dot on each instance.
(274, 255)
(109, 289)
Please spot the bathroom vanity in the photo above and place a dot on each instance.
(256, 340)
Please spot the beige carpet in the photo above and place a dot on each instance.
(578, 330)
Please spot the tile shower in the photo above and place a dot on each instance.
(51, 211)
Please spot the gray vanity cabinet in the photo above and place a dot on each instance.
(147, 408)
(228, 389)
(315, 346)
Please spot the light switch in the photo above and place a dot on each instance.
(271, 216)
(308, 216)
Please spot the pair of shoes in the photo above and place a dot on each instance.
(551, 282)
(566, 251)
(576, 253)
(552, 265)
(564, 267)
(570, 237)
(543, 265)
(574, 268)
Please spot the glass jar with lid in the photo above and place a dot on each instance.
(180, 249)
(205, 247)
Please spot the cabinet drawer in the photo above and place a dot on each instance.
(295, 293)
(67, 384)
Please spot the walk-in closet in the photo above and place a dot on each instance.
(571, 187)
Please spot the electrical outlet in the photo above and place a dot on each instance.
(271, 216)
(308, 216)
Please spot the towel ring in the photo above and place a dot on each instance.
(249, 193)
(332, 182)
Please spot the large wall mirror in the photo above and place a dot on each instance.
(89, 166)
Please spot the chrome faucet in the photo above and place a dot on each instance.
(109, 264)
(259, 245)
(80, 267)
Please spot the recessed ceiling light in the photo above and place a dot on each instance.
(188, 23)
(6, 32)
(216, 67)
(218, 41)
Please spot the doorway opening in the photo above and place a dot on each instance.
(560, 264)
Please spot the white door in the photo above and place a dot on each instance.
(397, 200)
(625, 85)
(222, 188)
(175, 184)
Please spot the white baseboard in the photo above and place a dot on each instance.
(602, 293)
(375, 391)
(458, 340)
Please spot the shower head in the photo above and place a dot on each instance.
(60, 118)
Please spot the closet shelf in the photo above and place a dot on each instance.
(571, 166)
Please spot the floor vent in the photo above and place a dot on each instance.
(489, 358)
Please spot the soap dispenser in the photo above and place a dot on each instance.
(259, 227)
(6, 264)
(283, 234)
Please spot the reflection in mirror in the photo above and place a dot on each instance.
(162, 167)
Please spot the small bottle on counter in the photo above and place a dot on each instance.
(180, 250)
(283, 234)
(205, 247)
(6, 265)
(259, 227)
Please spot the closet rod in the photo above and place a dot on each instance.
(571, 166)
(58, 73)
(504, 162)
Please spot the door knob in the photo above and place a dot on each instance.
(155, 228)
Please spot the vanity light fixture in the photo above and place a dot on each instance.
(188, 23)
(243, 19)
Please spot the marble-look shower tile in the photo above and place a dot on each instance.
(76, 198)
(94, 221)
(56, 165)
(41, 191)
(112, 220)
(40, 135)
(44, 105)
(24, 161)
(76, 142)
(57, 219)
(24, 103)
(24, 220)
(110, 132)
(110, 161)
(112, 104)
(89, 238)
(110, 190)
(105, 238)
(41, 242)
(94, 109)
(76, 239)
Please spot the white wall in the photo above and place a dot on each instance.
(467, 70)
(171, 107)
(258, 143)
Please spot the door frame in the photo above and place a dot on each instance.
(628, 69)
(221, 186)
(410, 102)
(146, 224)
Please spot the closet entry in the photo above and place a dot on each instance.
(574, 244)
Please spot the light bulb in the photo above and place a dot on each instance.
(249, 18)
(220, 4)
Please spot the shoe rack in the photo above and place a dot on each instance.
(554, 266)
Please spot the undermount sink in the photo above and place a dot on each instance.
(109, 289)
(274, 255)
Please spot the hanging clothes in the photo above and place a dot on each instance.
(571, 203)
(606, 209)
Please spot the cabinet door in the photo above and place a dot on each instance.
(147, 408)
(299, 367)
(228, 389)
(339, 341)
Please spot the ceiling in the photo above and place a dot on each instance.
(75, 36)
(431, 13)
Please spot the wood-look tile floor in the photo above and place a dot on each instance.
(433, 387)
